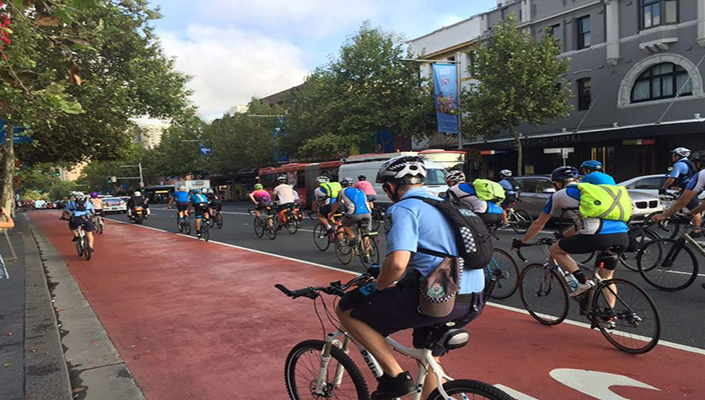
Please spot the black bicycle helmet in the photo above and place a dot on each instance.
(362, 178)
(698, 157)
(561, 174)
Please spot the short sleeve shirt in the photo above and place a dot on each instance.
(365, 186)
(181, 197)
(466, 193)
(680, 168)
(72, 208)
(412, 224)
(321, 196)
(262, 195)
(566, 202)
(354, 201)
(284, 194)
(198, 199)
(697, 183)
(599, 178)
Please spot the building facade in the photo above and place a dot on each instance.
(636, 72)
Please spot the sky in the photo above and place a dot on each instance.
(238, 49)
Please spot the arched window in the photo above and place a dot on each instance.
(662, 81)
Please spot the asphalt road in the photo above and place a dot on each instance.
(682, 318)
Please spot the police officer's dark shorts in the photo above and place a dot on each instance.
(200, 209)
(325, 210)
(584, 244)
(182, 206)
(87, 224)
(396, 308)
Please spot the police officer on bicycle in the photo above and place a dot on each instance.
(383, 307)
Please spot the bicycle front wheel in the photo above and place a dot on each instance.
(626, 316)
(302, 371)
(370, 254)
(291, 226)
(187, 227)
(521, 221)
(219, 220)
(321, 238)
(505, 270)
(668, 265)
(205, 231)
(344, 251)
(629, 260)
(477, 390)
(544, 294)
(86, 249)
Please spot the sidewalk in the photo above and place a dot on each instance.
(32, 364)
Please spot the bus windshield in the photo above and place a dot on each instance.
(436, 176)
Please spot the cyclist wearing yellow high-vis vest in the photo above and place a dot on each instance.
(324, 196)
(598, 214)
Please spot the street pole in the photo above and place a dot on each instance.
(141, 177)
(459, 88)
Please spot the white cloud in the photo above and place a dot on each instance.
(229, 66)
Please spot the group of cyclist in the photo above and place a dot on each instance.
(205, 204)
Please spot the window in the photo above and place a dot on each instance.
(543, 184)
(650, 183)
(583, 32)
(471, 61)
(658, 12)
(661, 81)
(584, 93)
(555, 32)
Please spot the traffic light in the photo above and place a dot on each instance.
(57, 172)
(111, 179)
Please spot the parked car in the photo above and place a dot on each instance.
(536, 189)
(114, 205)
(649, 184)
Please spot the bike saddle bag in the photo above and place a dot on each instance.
(454, 339)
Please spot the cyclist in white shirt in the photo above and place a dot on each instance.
(283, 194)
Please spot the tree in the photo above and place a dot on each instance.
(75, 72)
(520, 80)
(368, 88)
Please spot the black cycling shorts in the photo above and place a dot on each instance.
(182, 206)
(87, 224)
(282, 207)
(325, 210)
(263, 204)
(216, 206)
(99, 212)
(200, 209)
(585, 244)
(491, 219)
(396, 308)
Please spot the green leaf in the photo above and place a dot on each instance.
(65, 14)
(84, 4)
(19, 4)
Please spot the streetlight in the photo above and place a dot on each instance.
(458, 86)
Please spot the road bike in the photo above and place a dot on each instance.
(518, 219)
(639, 235)
(365, 246)
(323, 239)
(267, 224)
(3, 269)
(99, 224)
(503, 269)
(668, 264)
(183, 224)
(82, 246)
(205, 225)
(377, 214)
(291, 219)
(322, 369)
(623, 312)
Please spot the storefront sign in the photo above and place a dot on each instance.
(542, 141)
(639, 142)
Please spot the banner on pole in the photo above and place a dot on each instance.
(203, 150)
(445, 87)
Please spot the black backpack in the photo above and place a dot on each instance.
(80, 205)
(473, 240)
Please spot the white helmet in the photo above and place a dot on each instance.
(681, 152)
(322, 179)
(204, 190)
(505, 173)
(183, 189)
(137, 193)
(405, 170)
(454, 177)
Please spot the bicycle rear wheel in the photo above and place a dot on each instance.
(668, 265)
(303, 365)
(344, 251)
(205, 230)
(477, 390)
(544, 294)
(521, 221)
(258, 225)
(632, 324)
(219, 220)
(187, 227)
(99, 226)
(503, 267)
(272, 227)
(179, 225)
(321, 238)
(291, 226)
(79, 247)
(86, 249)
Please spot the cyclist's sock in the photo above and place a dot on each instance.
(329, 227)
(580, 276)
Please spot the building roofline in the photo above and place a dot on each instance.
(447, 27)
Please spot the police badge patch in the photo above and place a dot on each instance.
(387, 222)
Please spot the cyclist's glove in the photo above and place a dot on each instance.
(559, 235)
(373, 270)
(662, 192)
(517, 244)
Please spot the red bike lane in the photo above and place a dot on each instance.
(203, 320)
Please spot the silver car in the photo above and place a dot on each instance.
(536, 189)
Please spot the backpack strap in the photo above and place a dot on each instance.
(432, 202)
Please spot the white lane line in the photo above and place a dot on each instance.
(497, 305)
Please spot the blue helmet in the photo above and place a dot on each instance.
(592, 165)
(560, 174)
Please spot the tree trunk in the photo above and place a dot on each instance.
(520, 151)
(7, 169)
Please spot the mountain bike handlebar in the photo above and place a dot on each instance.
(335, 288)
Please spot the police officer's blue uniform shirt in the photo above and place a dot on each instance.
(508, 187)
(181, 197)
(71, 207)
(599, 178)
(680, 168)
(412, 223)
(198, 198)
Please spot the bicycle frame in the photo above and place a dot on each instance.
(424, 358)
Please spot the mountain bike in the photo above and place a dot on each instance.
(625, 315)
(82, 246)
(184, 225)
(364, 246)
(668, 264)
(322, 369)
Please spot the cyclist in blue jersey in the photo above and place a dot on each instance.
(181, 197)
(356, 208)
(681, 174)
(199, 202)
(79, 211)
(592, 169)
